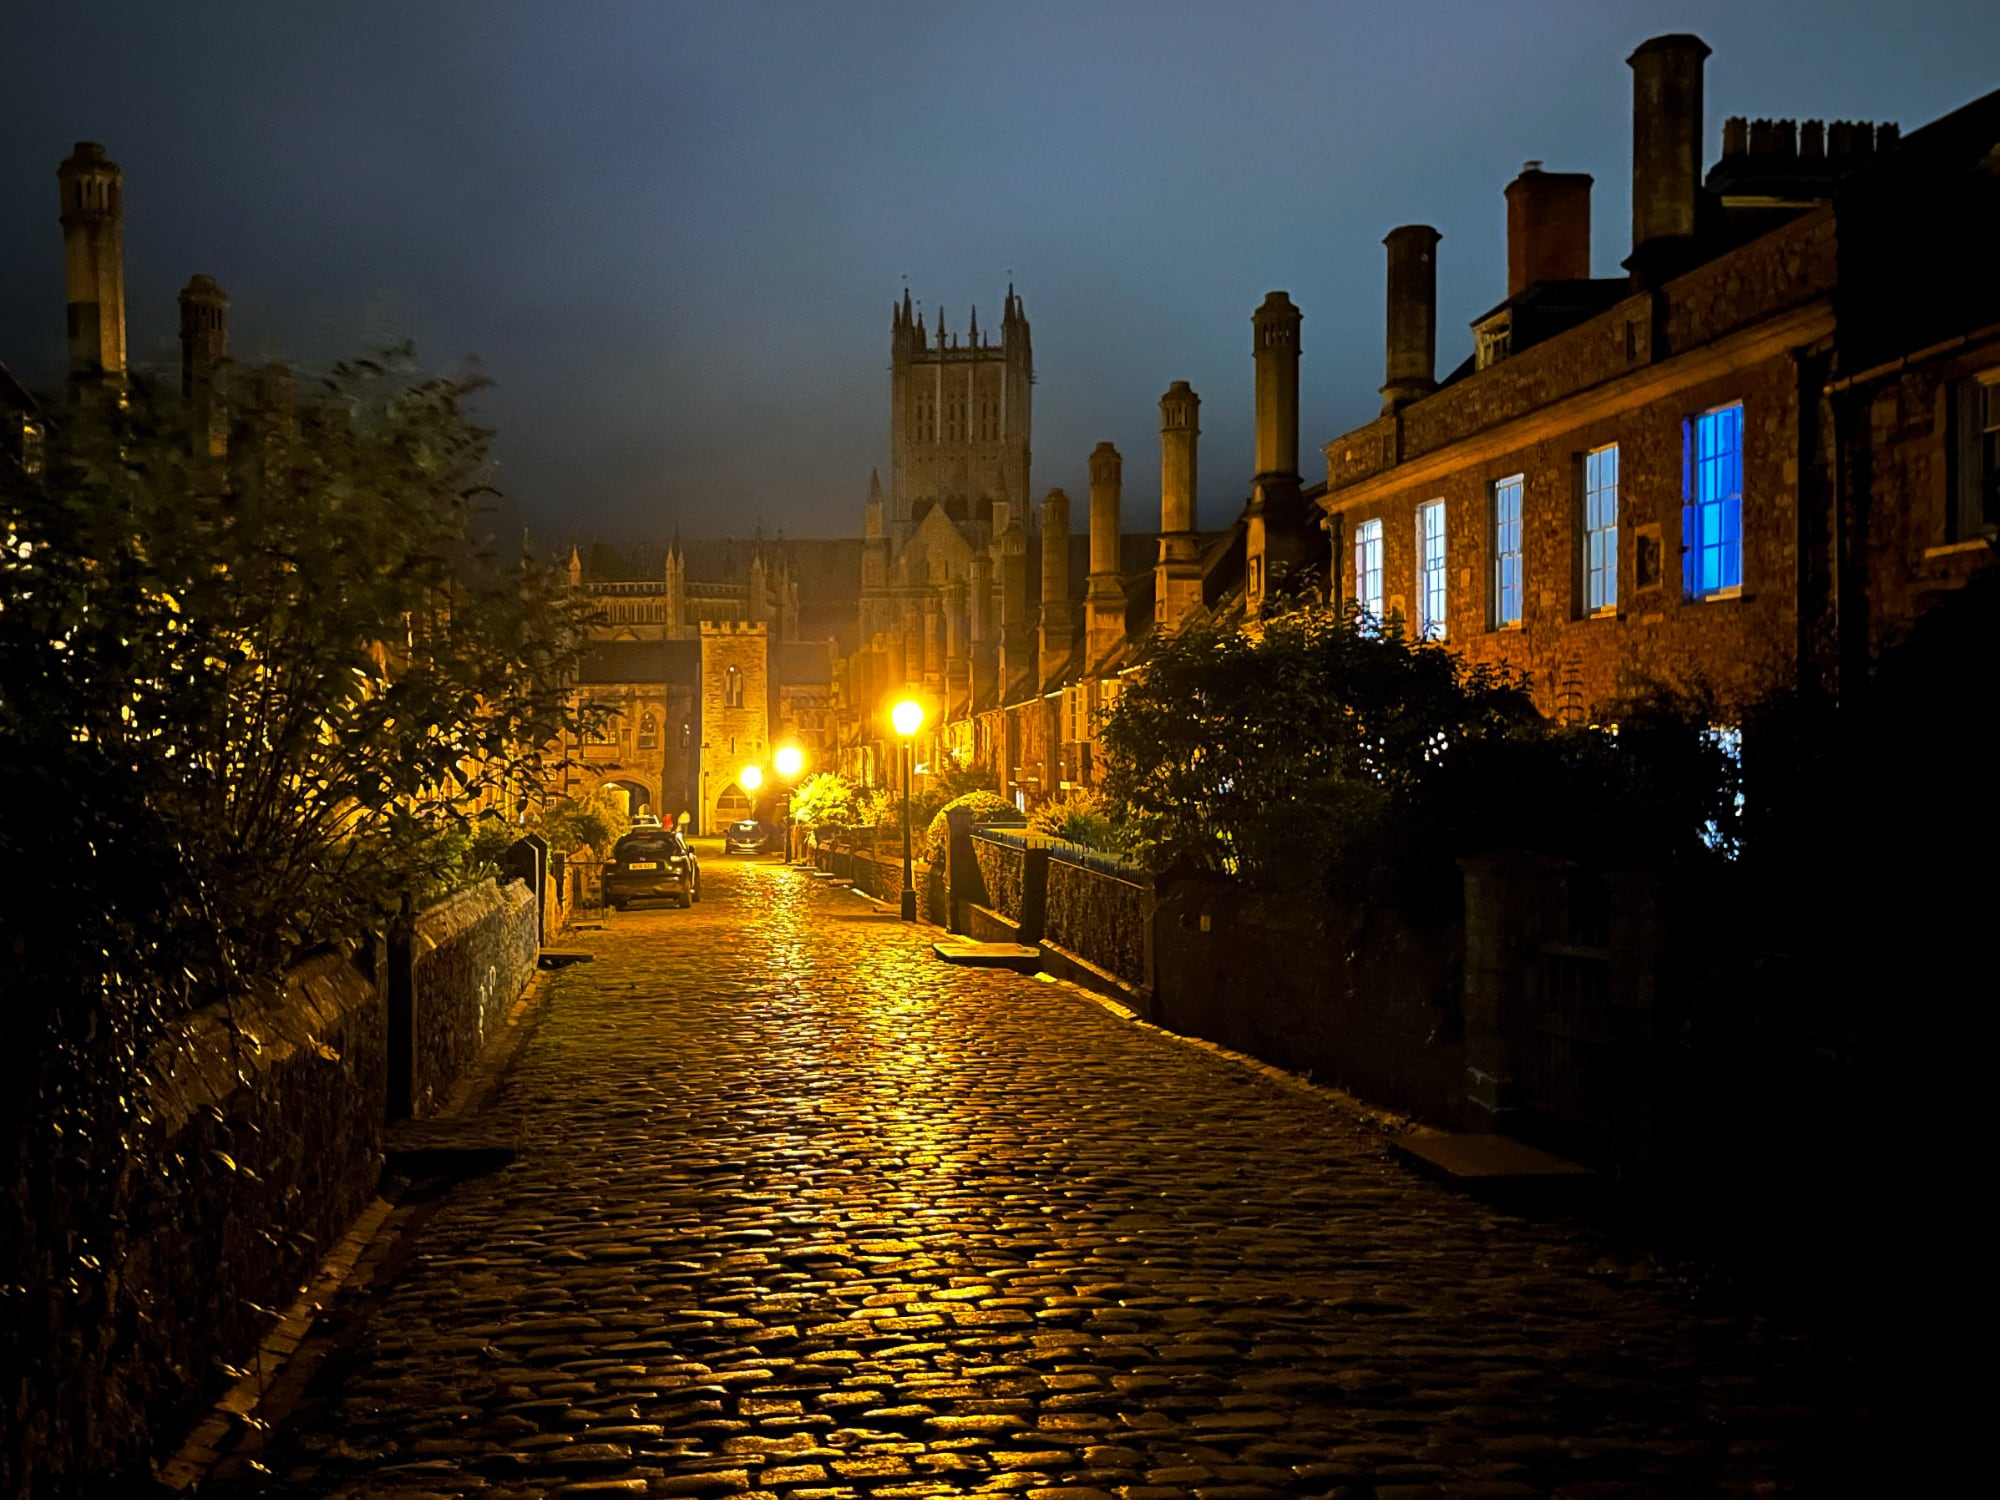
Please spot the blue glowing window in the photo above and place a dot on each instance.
(1507, 551)
(1600, 529)
(1712, 512)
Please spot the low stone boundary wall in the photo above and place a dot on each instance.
(256, 1139)
(471, 956)
(1102, 918)
(1350, 996)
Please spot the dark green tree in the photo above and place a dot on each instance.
(248, 699)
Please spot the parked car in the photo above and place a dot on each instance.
(747, 836)
(645, 820)
(652, 862)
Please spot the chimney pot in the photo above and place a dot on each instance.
(1411, 366)
(1666, 152)
(1548, 228)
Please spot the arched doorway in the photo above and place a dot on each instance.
(637, 796)
(729, 807)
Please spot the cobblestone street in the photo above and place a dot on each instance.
(800, 1211)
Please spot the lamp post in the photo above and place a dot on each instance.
(908, 717)
(788, 762)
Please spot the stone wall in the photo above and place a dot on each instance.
(471, 956)
(1102, 918)
(1001, 868)
(256, 1140)
(1347, 996)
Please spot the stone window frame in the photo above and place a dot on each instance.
(1433, 563)
(1598, 497)
(732, 688)
(1368, 559)
(1506, 528)
(1972, 460)
(1712, 564)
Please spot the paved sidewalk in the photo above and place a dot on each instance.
(800, 1211)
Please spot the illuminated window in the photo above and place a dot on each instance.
(1600, 529)
(1712, 512)
(1974, 461)
(1430, 570)
(1368, 568)
(1507, 551)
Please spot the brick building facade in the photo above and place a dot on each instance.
(1691, 474)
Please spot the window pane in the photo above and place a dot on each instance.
(1430, 569)
(1712, 526)
(1507, 551)
(1600, 521)
(1368, 567)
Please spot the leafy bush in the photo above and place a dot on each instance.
(826, 800)
(248, 702)
(1082, 817)
(986, 807)
(1318, 756)
(596, 821)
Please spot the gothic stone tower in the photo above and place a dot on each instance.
(960, 420)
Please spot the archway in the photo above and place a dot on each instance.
(637, 795)
(729, 807)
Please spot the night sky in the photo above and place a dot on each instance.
(672, 234)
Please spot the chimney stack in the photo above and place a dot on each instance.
(1056, 634)
(1017, 646)
(985, 640)
(1412, 343)
(204, 345)
(1104, 603)
(93, 223)
(1177, 574)
(1274, 331)
(1548, 227)
(1666, 154)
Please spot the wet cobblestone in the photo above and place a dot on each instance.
(801, 1212)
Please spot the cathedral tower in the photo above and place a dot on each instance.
(960, 420)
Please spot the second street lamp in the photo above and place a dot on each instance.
(908, 717)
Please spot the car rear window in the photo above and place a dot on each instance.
(644, 845)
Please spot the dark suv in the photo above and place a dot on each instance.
(651, 862)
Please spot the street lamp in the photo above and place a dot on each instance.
(789, 761)
(908, 717)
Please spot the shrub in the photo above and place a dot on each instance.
(1081, 817)
(986, 808)
(826, 800)
(596, 820)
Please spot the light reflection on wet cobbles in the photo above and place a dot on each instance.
(801, 1211)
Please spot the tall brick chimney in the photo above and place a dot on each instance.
(204, 345)
(1177, 574)
(1017, 630)
(1548, 227)
(1412, 342)
(93, 224)
(1057, 624)
(1666, 154)
(1104, 602)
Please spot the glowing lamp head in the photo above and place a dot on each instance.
(750, 778)
(908, 717)
(790, 761)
